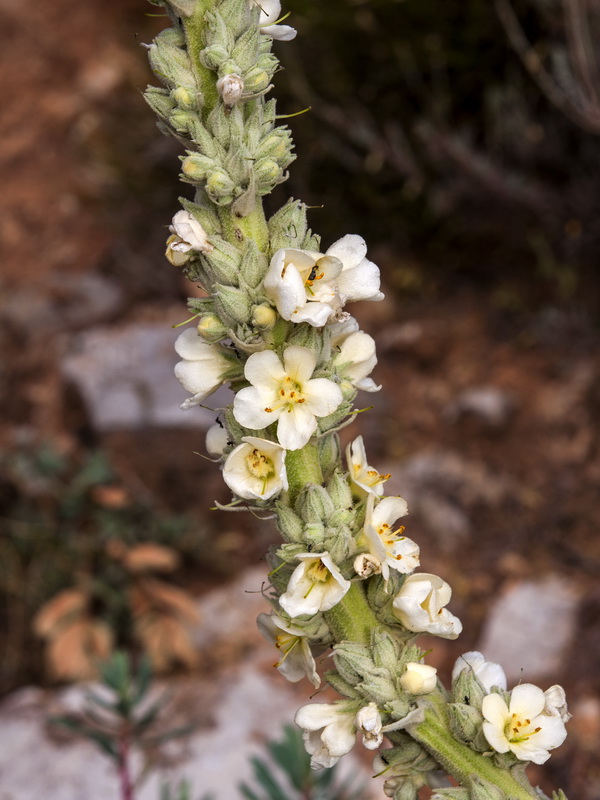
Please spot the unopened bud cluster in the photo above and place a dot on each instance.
(274, 326)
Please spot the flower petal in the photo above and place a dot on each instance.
(264, 370)
(527, 700)
(249, 409)
(296, 425)
(299, 363)
(350, 249)
(322, 396)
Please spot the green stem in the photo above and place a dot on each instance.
(459, 760)
(352, 619)
(194, 35)
(302, 467)
(253, 226)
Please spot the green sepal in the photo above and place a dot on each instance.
(232, 304)
(289, 523)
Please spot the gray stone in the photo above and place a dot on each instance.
(125, 375)
(530, 628)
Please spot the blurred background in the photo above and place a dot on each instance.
(462, 140)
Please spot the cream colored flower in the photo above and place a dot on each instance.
(419, 605)
(216, 440)
(285, 393)
(308, 286)
(296, 660)
(190, 234)
(270, 12)
(489, 673)
(521, 726)
(329, 731)
(368, 722)
(255, 469)
(419, 678)
(315, 585)
(355, 360)
(365, 479)
(389, 546)
(201, 370)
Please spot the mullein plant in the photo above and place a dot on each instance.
(275, 327)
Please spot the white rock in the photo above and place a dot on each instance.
(530, 628)
(125, 375)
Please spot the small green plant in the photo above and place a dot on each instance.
(119, 717)
(302, 782)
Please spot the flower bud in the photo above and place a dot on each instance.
(212, 57)
(180, 120)
(176, 257)
(418, 678)
(216, 440)
(219, 185)
(267, 171)
(231, 88)
(366, 565)
(196, 167)
(484, 790)
(289, 523)
(185, 98)
(211, 329)
(465, 721)
(264, 317)
(314, 504)
(276, 145)
(256, 80)
(233, 303)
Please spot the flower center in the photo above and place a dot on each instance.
(315, 274)
(259, 465)
(317, 572)
(370, 477)
(289, 393)
(519, 729)
(390, 536)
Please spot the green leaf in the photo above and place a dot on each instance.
(267, 781)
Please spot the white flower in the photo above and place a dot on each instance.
(365, 479)
(556, 703)
(296, 660)
(368, 722)
(386, 544)
(307, 286)
(192, 235)
(522, 726)
(231, 88)
(329, 732)
(356, 360)
(489, 673)
(419, 605)
(202, 367)
(285, 393)
(255, 469)
(270, 11)
(216, 440)
(366, 565)
(419, 678)
(315, 585)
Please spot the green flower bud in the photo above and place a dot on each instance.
(451, 794)
(170, 63)
(385, 651)
(233, 303)
(465, 721)
(335, 419)
(341, 686)
(223, 263)
(329, 453)
(267, 171)
(340, 493)
(159, 101)
(289, 523)
(211, 329)
(467, 688)
(256, 80)
(314, 504)
(187, 99)
(276, 145)
(484, 790)
(212, 57)
(264, 317)
(254, 264)
(287, 228)
(181, 120)
(196, 167)
(219, 185)
(314, 536)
